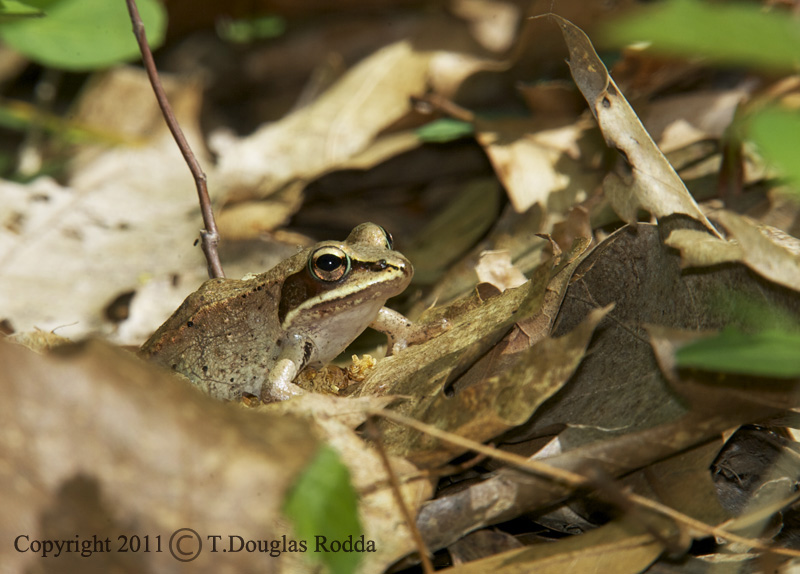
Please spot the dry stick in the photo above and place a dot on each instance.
(209, 235)
(577, 481)
(375, 435)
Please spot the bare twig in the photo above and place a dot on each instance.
(209, 235)
(579, 481)
(429, 103)
(375, 435)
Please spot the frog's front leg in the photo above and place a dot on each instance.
(279, 385)
(401, 332)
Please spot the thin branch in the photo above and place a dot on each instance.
(578, 481)
(209, 235)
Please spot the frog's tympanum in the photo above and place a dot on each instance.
(255, 334)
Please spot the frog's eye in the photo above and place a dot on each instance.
(329, 264)
(388, 236)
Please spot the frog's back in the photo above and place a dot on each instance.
(200, 339)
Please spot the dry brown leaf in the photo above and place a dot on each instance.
(515, 232)
(510, 493)
(492, 391)
(342, 122)
(252, 219)
(683, 482)
(506, 398)
(653, 183)
(619, 385)
(480, 544)
(530, 160)
(616, 548)
(334, 420)
(133, 450)
(767, 251)
(700, 249)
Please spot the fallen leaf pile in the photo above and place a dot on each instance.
(582, 245)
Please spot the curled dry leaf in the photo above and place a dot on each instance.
(653, 183)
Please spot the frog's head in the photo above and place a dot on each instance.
(343, 285)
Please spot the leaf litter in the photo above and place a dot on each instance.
(574, 368)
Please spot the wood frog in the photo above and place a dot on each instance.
(255, 334)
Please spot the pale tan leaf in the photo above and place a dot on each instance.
(768, 251)
(698, 248)
(525, 156)
(127, 213)
(494, 24)
(342, 122)
(495, 267)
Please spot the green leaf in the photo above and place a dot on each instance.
(83, 35)
(768, 354)
(323, 503)
(445, 130)
(776, 132)
(728, 33)
(14, 8)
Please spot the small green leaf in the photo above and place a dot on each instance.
(726, 32)
(323, 504)
(445, 130)
(247, 30)
(768, 354)
(776, 132)
(83, 35)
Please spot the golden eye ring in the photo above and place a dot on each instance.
(389, 238)
(329, 264)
